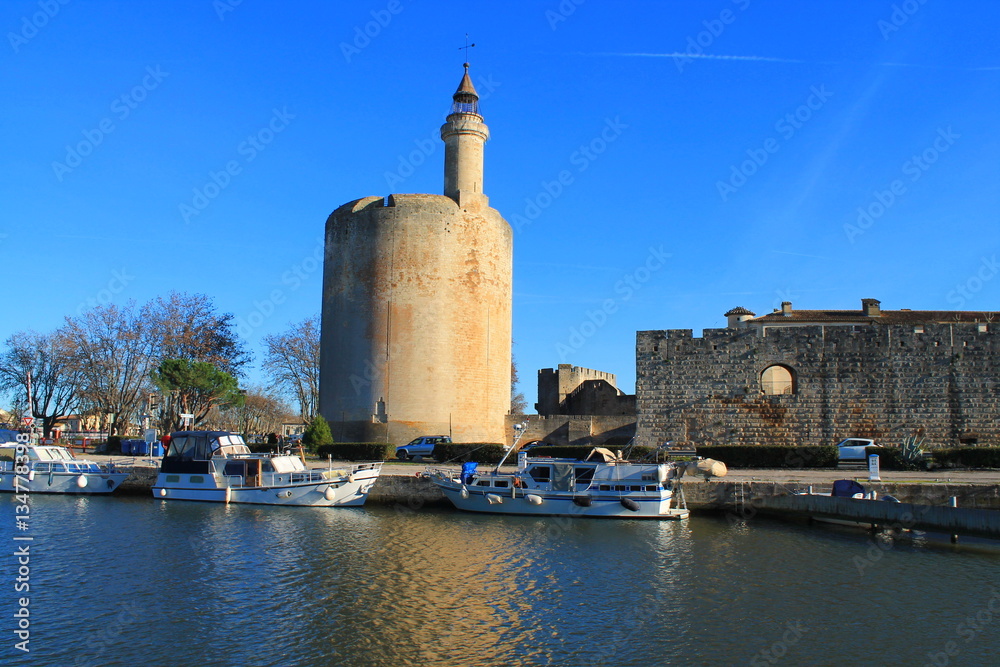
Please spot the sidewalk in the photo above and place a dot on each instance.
(810, 476)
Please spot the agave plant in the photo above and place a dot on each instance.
(911, 451)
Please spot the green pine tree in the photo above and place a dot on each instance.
(317, 434)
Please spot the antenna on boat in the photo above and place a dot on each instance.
(519, 429)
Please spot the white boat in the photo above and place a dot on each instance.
(604, 485)
(847, 488)
(31, 468)
(217, 466)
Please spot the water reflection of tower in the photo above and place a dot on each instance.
(417, 304)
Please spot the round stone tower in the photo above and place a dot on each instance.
(416, 330)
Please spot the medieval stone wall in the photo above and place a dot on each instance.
(873, 381)
(416, 336)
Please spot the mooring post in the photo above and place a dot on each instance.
(953, 501)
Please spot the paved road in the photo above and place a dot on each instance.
(820, 476)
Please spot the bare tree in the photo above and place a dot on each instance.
(292, 361)
(54, 378)
(187, 326)
(518, 404)
(261, 412)
(114, 354)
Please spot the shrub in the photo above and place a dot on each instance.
(968, 457)
(357, 451)
(771, 456)
(481, 452)
(317, 434)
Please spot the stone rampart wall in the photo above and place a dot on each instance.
(873, 381)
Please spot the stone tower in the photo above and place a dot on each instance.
(416, 330)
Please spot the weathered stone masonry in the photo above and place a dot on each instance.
(868, 380)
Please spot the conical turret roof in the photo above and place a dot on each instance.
(465, 88)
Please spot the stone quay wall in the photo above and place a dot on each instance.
(876, 381)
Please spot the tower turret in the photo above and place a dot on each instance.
(464, 135)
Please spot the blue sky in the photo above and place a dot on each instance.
(661, 162)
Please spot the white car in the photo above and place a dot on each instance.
(854, 449)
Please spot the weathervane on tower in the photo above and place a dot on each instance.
(466, 47)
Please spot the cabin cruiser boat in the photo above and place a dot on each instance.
(31, 468)
(217, 466)
(603, 485)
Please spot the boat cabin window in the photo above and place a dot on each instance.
(501, 483)
(540, 473)
(232, 450)
(584, 475)
(483, 482)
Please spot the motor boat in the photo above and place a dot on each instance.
(602, 485)
(217, 466)
(31, 468)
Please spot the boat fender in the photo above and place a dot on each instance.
(285, 494)
(163, 493)
(464, 493)
(229, 494)
(330, 494)
(31, 475)
(350, 478)
(81, 481)
(110, 483)
(533, 499)
(493, 499)
(630, 504)
(419, 475)
(582, 501)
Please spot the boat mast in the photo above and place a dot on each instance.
(520, 429)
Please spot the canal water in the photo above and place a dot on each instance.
(135, 581)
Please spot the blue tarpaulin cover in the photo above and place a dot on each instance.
(468, 471)
(6, 435)
(846, 488)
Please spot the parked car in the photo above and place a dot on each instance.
(854, 449)
(422, 446)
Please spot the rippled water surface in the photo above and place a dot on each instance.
(134, 581)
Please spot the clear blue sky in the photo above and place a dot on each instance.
(115, 113)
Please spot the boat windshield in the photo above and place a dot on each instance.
(49, 454)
